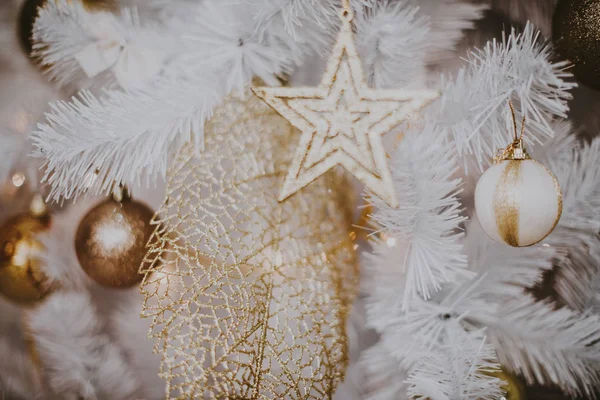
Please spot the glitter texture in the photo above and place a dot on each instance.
(248, 296)
(576, 35)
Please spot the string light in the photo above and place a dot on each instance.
(18, 179)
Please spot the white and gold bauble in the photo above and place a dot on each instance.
(518, 200)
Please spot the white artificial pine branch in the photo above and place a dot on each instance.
(475, 104)
(537, 11)
(90, 143)
(19, 374)
(593, 303)
(127, 136)
(578, 172)
(138, 348)
(385, 379)
(167, 8)
(439, 329)
(392, 39)
(79, 361)
(297, 16)
(426, 227)
(459, 369)
(547, 345)
(77, 44)
(449, 19)
(576, 236)
(225, 39)
(506, 271)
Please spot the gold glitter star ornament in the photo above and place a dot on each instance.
(343, 120)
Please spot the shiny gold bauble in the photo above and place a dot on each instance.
(21, 277)
(576, 36)
(111, 242)
(515, 389)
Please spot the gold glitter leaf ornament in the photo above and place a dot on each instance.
(248, 296)
(343, 120)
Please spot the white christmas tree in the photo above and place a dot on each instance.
(134, 82)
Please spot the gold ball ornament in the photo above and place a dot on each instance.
(514, 389)
(576, 36)
(21, 276)
(518, 200)
(111, 241)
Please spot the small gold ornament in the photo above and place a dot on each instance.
(514, 388)
(111, 240)
(21, 276)
(343, 120)
(518, 200)
(575, 34)
(249, 296)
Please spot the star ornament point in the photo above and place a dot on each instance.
(343, 122)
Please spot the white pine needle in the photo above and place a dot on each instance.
(475, 104)
(548, 345)
(426, 227)
(449, 19)
(506, 271)
(459, 369)
(385, 379)
(91, 143)
(392, 40)
(79, 360)
(65, 28)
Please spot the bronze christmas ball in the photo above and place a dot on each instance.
(576, 36)
(21, 277)
(111, 242)
(514, 388)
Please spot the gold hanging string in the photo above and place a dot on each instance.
(514, 118)
(515, 150)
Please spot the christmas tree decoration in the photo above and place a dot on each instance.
(111, 240)
(513, 387)
(576, 33)
(518, 200)
(343, 120)
(21, 277)
(249, 296)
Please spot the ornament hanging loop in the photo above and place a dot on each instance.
(120, 192)
(515, 150)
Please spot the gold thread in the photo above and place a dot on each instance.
(506, 205)
(515, 150)
(514, 118)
